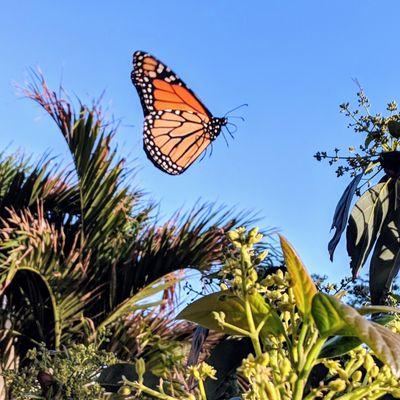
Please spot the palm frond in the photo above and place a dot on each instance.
(104, 201)
(194, 240)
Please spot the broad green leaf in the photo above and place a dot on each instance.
(201, 310)
(225, 358)
(327, 316)
(377, 309)
(303, 286)
(335, 318)
(337, 346)
(365, 222)
(342, 213)
(395, 296)
(111, 378)
(385, 260)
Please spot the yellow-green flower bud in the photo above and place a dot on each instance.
(140, 367)
(374, 371)
(285, 367)
(261, 257)
(338, 385)
(268, 281)
(124, 390)
(393, 382)
(293, 377)
(253, 236)
(194, 371)
(253, 275)
(280, 274)
(237, 244)
(206, 371)
(233, 235)
(368, 362)
(264, 359)
(356, 377)
(395, 393)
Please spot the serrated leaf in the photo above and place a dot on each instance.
(342, 213)
(335, 318)
(303, 286)
(201, 310)
(365, 222)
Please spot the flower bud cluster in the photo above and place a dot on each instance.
(267, 375)
(202, 371)
(357, 372)
(259, 375)
(241, 270)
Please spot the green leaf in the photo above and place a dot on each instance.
(111, 378)
(378, 309)
(365, 222)
(337, 346)
(395, 296)
(225, 358)
(327, 316)
(385, 260)
(335, 318)
(201, 310)
(342, 213)
(303, 288)
(135, 302)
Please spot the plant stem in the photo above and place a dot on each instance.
(252, 328)
(202, 390)
(235, 328)
(305, 370)
(300, 342)
(152, 392)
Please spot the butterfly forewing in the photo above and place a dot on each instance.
(160, 88)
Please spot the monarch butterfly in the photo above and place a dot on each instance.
(177, 126)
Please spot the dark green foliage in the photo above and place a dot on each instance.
(373, 222)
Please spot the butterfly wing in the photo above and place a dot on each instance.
(173, 140)
(177, 124)
(160, 88)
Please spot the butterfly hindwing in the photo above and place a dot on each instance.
(173, 140)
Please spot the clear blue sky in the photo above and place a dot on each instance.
(292, 61)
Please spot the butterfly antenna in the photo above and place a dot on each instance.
(236, 108)
(236, 116)
(211, 150)
(223, 134)
(231, 132)
(205, 152)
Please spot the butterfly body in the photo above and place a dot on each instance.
(177, 125)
